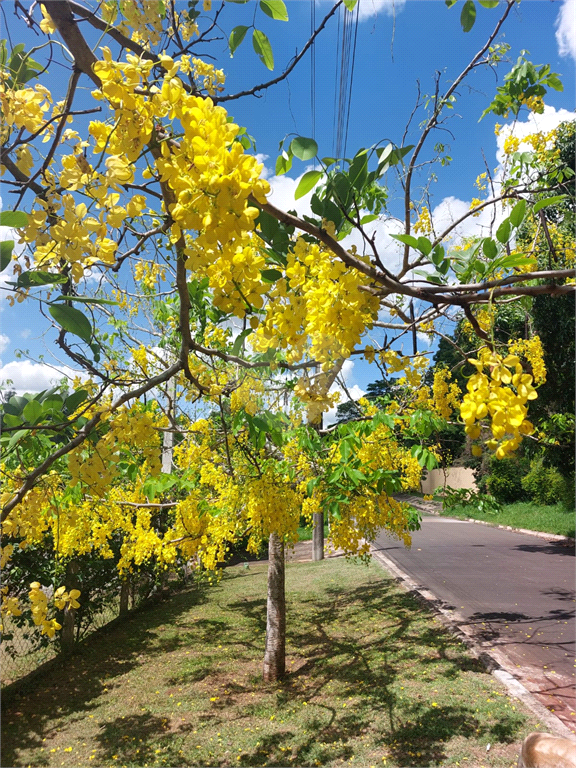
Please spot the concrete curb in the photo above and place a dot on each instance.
(427, 507)
(493, 661)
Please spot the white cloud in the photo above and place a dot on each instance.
(534, 123)
(25, 332)
(354, 390)
(566, 29)
(450, 209)
(4, 341)
(369, 8)
(282, 194)
(26, 376)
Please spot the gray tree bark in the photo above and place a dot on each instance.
(275, 652)
(124, 595)
(318, 536)
(67, 639)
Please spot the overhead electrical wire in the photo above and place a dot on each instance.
(347, 35)
(313, 67)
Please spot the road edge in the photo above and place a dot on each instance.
(429, 508)
(455, 624)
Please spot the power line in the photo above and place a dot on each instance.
(344, 79)
(313, 67)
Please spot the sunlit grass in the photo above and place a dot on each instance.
(523, 514)
(373, 680)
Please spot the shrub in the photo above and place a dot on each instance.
(546, 486)
(504, 479)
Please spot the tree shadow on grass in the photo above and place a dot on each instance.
(346, 653)
(71, 687)
(337, 645)
(419, 740)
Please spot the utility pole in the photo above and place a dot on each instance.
(168, 438)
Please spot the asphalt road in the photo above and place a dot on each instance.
(514, 591)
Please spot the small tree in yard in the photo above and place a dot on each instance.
(133, 169)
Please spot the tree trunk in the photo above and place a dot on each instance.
(318, 536)
(124, 595)
(69, 620)
(275, 653)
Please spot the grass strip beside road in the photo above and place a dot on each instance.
(532, 517)
(374, 680)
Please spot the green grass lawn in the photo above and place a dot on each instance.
(306, 533)
(523, 514)
(374, 680)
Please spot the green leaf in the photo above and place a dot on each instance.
(468, 15)
(407, 240)
(328, 161)
(53, 403)
(86, 300)
(450, 3)
(18, 403)
(303, 148)
(345, 449)
(275, 9)
(32, 412)
(263, 48)
(236, 36)
(549, 201)
(368, 218)
(74, 400)
(271, 275)
(6, 248)
(307, 182)
(72, 320)
(489, 3)
(554, 82)
(424, 245)
(503, 231)
(518, 212)
(240, 341)
(350, 4)
(312, 483)
(355, 475)
(16, 219)
(16, 437)
(489, 248)
(283, 164)
(29, 279)
(9, 420)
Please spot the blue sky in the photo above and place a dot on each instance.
(392, 54)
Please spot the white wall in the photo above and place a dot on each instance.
(455, 477)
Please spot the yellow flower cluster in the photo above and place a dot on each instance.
(501, 394)
(446, 396)
(474, 204)
(24, 108)
(95, 466)
(319, 308)
(271, 506)
(534, 104)
(212, 79)
(315, 396)
(39, 602)
(424, 222)
(149, 273)
(413, 368)
(533, 351)
(246, 395)
(363, 518)
(511, 144)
